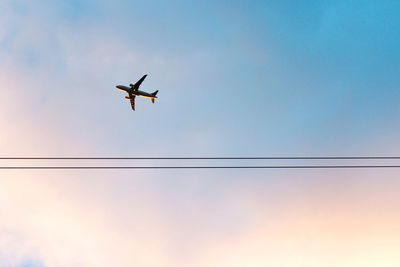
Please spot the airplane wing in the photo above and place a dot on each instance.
(132, 98)
(138, 83)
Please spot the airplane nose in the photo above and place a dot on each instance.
(122, 88)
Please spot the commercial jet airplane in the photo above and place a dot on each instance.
(134, 91)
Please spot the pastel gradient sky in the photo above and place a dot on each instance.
(236, 78)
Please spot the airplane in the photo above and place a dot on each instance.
(134, 91)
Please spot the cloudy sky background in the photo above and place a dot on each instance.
(266, 78)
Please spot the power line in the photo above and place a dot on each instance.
(200, 167)
(208, 158)
(310, 166)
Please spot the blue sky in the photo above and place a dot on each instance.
(266, 78)
(268, 74)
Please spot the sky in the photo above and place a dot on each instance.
(235, 78)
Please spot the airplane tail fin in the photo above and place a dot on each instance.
(154, 96)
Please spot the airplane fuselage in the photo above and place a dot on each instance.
(130, 91)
